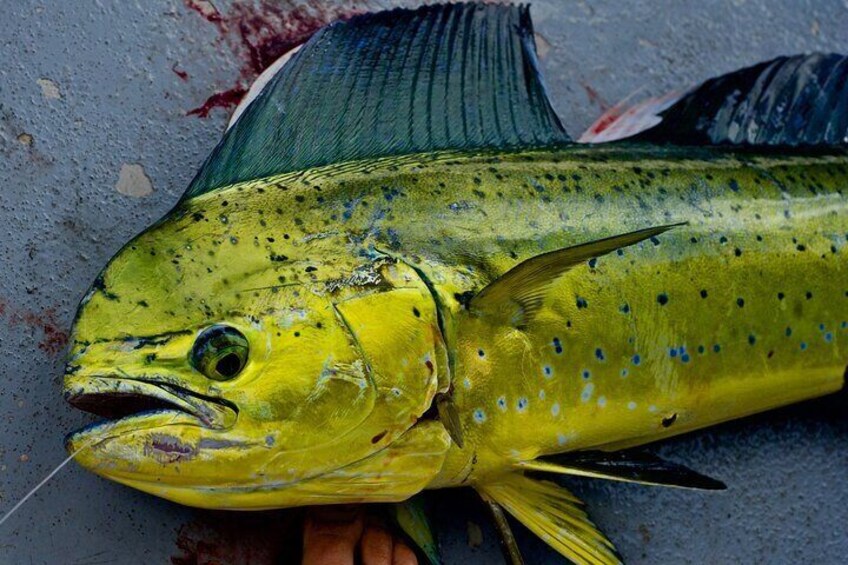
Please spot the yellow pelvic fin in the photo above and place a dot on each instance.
(553, 514)
(627, 466)
(518, 294)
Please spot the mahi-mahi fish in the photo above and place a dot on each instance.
(396, 272)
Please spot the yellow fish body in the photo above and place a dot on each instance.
(349, 321)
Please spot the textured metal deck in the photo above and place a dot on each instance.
(97, 140)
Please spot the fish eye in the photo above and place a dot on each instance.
(219, 352)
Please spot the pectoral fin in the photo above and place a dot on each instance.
(553, 514)
(518, 294)
(410, 519)
(628, 466)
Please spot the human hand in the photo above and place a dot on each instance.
(337, 535)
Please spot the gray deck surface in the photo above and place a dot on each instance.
(87, 87)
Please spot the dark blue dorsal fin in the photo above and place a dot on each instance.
(789, 101)
(453, 76)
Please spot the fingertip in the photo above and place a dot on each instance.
(376, 546)
(403, 555)
(330, 538)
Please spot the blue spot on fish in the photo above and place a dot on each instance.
(599, 354)
(636, 359)
(555, 409)
(586, 373)
(522, 404)
(828, 337)
(479, 416)
(588, 390)
(803, 346)
(502, 403)
(548, 371)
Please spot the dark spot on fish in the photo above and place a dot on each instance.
(734, 186)
(593, 262)
(662, 298)
(296, 334)
(669, 420)
(143, 303)
(703, 293)
(311, 269)
(278, 257)
(464, 298)
(379, 436)
(481, 353)
(780, 296)
(737, 252)
(722, 239)
(752, 339)
(599, 354)
(809, 295)
(625, 308)
(740, 302)
(801, 247)
(416, 312)
(100, 285)
(429, 365)
(582, 303)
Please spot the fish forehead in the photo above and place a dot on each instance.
(204, 263)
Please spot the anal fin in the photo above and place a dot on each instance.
(555, 515)
(628, 466)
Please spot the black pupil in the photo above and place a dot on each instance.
(229, 365)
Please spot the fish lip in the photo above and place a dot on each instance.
(87, 392)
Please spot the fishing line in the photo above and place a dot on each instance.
(44, 481)
(59, 468)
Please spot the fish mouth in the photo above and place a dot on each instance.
(122, 399)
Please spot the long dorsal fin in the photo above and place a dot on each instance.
(451, 76)
(627, 466)
(789, 101)
(517, 295)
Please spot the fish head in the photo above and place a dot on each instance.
(241, 369)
